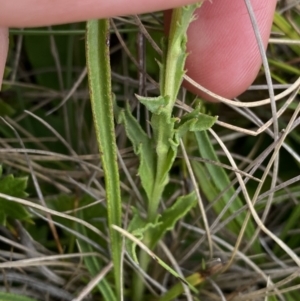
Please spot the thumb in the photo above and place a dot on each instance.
(224, 56)
(30, 13)
(3, 50)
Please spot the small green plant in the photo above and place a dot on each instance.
(14, 187)
(160, 158)
(157, 153)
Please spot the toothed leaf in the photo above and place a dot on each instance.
(13, 187)
(142, 146)
(154, 104)
(172, 215)
(138, 227)
(194, 122)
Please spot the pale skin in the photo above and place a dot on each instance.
(223, 55)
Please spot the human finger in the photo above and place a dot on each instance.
(3, 50)
(223, 52)
(31, 13)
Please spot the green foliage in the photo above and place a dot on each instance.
(175, 291)
(291, 224)
(138, 227)
(94, 265)
(163, 125)
(154, 168)
(161, 225)
(154, 104)
(39, 49)
(99, 73)
(6, 109)
(14, 187)
(214, 180)
(91, 214)
(14, 297)
(287, 28)
(162, 174)
(193, 122)
(172, 215)
(142, 146)
(154, 171)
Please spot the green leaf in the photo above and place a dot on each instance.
(214, 176)
(148, 252)
(7, 71)
(194, 122)
(284, 67)
(163, 223)
(6, 109)
(14, 297)
(174, 292)
(137, 227)
(172, 215)
(287, 28)
(291, 224)
(142, 146)
(93, 264)
(14, 187)
(4, 87)
(154, 104)
(37, 44)
(99, 76)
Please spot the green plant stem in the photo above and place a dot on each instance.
(99, 72)
(156, 196)
(172, 72)
(171, 75)
(138, 280)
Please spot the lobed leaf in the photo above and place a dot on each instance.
(154, 104)
(138, 227)
(172, 215)
(162, 224)
(194, 122)
(14, 187)
(142, 146)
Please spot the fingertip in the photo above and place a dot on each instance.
(223, 52)
(3, 51)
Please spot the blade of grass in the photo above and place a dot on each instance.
(99, 74)
(14, 297)
(281, 23)
(221, 182)
(174, 292)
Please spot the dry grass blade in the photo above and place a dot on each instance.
(253, 104)
(53, 212)
(78, 82)
(44, 260)
(254, 214)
